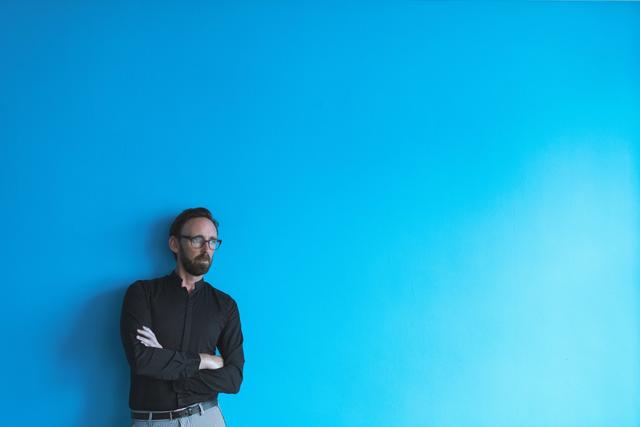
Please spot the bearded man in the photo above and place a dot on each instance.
(171, 327)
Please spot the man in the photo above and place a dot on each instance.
(170, 327)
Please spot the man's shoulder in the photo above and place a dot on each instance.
(144, 284)
(221, 295)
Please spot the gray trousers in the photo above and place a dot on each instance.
(211, 417)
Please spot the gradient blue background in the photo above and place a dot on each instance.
(429, 210)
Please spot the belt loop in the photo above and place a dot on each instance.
(200, 406)
(171, 415)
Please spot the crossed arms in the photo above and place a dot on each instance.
(190, 371)
(207, 361)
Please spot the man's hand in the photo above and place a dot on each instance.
(210, 361)
(148, 338)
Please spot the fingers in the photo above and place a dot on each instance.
(147, 337)
(148, 342)
(147, 332)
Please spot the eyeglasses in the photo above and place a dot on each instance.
(198, 241)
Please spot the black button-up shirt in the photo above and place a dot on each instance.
(185, 325)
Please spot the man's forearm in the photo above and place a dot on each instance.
(207, 361)
(210, 361)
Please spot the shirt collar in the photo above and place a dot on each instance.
(175, 279)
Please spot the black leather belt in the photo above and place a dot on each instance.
(171, 415)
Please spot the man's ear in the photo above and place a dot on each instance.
(173, 244)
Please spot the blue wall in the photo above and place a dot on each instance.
(429, 210)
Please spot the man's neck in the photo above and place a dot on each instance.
(188, 280)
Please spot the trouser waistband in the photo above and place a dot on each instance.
(177, 413)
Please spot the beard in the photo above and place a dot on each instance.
(197, 266)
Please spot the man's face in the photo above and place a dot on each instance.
(196, 261)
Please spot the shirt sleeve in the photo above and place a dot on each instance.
(228, 378)
(160, 363)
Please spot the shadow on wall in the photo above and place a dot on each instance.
(94, 353)
(159, 257)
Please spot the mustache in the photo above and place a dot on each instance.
(203, 257)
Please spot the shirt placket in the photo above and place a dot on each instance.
(188, 321)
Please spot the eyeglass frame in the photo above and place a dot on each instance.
(216, 245)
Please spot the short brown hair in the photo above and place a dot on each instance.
(186, 215)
